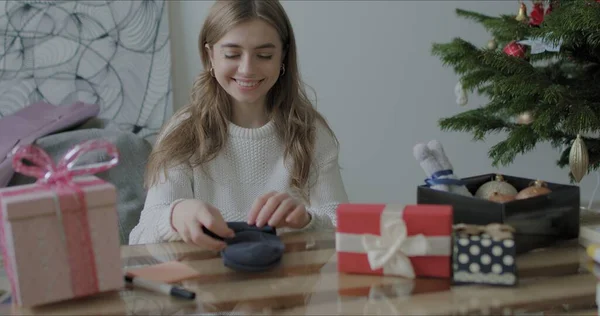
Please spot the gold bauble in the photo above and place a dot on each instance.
(501, 198)
(492, 44)
(525, 118)
(536, 189)
(498, 185)
(578, 159)
(522, 15)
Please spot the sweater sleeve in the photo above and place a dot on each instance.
(328, 191)
(155, 219)
(325, 196)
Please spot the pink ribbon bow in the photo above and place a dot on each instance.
(71, 213)
(46, 171)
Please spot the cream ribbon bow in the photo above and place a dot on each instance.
(392, 249)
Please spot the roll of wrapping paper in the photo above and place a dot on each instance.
(594, 269)
(593, 251)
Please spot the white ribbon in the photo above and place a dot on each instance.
(392, 249)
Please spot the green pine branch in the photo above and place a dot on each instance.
(504, 28)
(460, 54)
(520, 140)
(574, 18)
(560, 89)
(477, 122)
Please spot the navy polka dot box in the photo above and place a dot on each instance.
(484, 255)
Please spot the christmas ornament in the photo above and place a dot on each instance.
(461, 94)
(514, 49)
(498, 185)
(538, 45)
(536, 189)
(492, 44)
(578, 159)
(522, 15)
(537, 14)
(525, 118)
(501, 198)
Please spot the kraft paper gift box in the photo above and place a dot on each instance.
(386, 239)
(484, 255)
(59, 236)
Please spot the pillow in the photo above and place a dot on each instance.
(127, 176)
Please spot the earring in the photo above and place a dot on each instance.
(211, 71)
(282, 70)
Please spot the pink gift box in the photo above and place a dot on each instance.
(60, 238)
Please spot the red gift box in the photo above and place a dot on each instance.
(387, 239)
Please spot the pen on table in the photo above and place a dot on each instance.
(159, 287)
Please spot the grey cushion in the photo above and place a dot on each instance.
(127, 176)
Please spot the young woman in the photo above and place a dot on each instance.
(249, 146)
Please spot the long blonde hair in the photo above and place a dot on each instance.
(202, 130)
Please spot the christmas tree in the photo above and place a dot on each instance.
(541, 74)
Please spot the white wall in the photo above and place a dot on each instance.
(376, 82)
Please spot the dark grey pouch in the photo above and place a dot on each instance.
(253, 249)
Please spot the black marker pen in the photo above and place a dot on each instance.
(160, 287)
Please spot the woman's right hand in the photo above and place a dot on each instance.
(188, 218)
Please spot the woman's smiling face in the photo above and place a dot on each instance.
(247, 62)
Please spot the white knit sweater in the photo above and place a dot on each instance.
(250, 165)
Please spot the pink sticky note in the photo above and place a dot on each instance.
(167, 272)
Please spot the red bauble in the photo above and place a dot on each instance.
(537, 14)
(514, 49)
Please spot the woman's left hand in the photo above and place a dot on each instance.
(278, 210)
